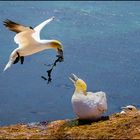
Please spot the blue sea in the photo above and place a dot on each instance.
(101, 42)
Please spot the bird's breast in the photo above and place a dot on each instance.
(86, 106)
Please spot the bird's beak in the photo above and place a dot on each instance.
(73, 78)
(60, 55)
(124, 108)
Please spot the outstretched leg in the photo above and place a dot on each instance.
(17, 59)
(22, 59)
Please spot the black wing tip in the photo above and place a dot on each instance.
(9, 22)
(6, 22)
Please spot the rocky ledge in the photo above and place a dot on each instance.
(116, 126)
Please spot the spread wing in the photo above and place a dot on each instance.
(13, 26)
(38, 28)
(24, 34)
(25, 39)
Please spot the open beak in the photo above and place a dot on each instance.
(60, 55)
(73, 78)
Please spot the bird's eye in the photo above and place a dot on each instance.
(130, 108)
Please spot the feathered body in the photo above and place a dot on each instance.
(90, 106)
(87, 105)
(29, 42)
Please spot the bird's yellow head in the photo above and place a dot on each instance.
(55, 44)
(80, 85)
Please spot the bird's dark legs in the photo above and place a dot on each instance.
(21, 58)
(17, 59)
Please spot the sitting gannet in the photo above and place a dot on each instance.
(128, 109)
(29, 42)
(87, 105)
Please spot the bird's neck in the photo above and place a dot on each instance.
(45, 47)
(77, 91)
(49, 44)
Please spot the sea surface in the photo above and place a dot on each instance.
(101, 42)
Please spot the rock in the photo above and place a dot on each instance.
(115, 126)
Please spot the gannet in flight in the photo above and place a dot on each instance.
(87, 105)
(29, 42)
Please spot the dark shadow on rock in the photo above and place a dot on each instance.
(77, 122)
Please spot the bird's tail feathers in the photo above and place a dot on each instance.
(8, 65)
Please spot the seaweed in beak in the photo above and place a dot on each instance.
(49, 72)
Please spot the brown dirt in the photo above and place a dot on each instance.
(115, 126)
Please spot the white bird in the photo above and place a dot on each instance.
(29, 42)
(127, 109)
(87, 105)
